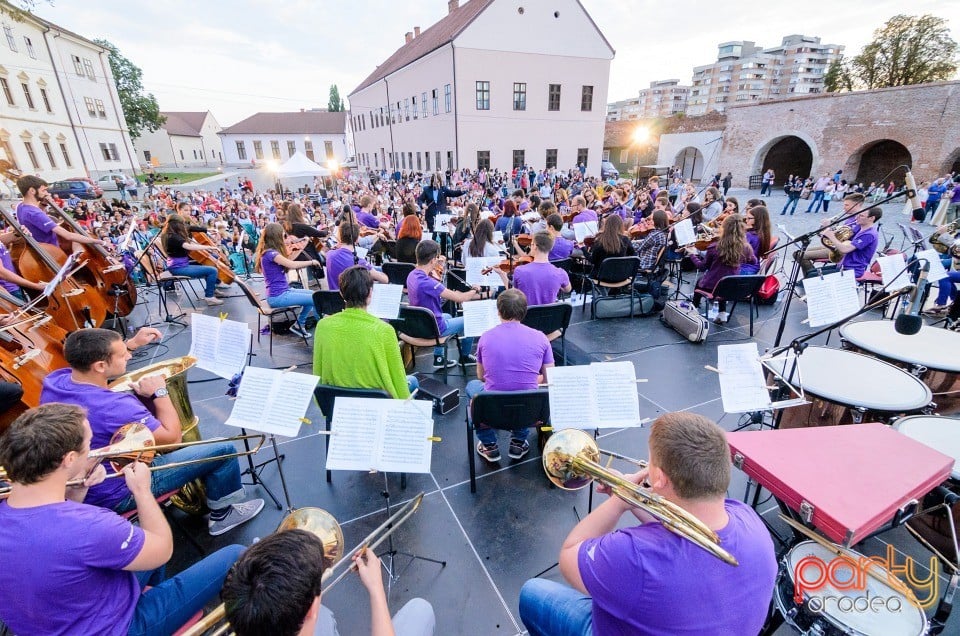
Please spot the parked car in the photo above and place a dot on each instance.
(608, 170)
(108, 181)
(82, 187)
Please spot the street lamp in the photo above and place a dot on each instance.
(640, 136)
(334, 166)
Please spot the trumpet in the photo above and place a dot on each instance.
(322, 524)
(571, 461)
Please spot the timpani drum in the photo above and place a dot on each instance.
(848, 388)
(932, 354)
(836, 606)
(939, 433)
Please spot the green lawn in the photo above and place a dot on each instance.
(180, 177)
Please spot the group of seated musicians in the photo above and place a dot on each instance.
(858, 251)
(178, 244)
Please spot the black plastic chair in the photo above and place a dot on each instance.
(646, 277)
(417, 326)
(505, 411)
(265, 310)
(552, 320)
(737, 288)
(328, 302)
(397, 272)
(566, 264)
(326, 396)
(618, 273)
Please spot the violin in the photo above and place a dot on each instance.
(641, 228)
(204, 257)
(508, 265)
(439, 270)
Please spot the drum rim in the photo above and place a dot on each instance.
(845, 334)
(787, 570)
(871, 360)
(955, 471)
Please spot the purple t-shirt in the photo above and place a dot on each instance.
(562, 248)
(647, 580)
(107, 411)
(423, 291)
(339, 260)
(62, 569)
(274, 274)
(36, 220)
(367, 219)
(512, 355)
(7, 261)
(584, 216)
(540, 282)
(866, 243)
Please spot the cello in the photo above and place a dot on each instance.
(72, 304)
(224, 271)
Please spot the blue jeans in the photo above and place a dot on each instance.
(792, 201)
(165, 607)
(948, 291)
(221, 478)
(548, 608)
(292, 298)
(412, 383)
(488, 435)
(454, 328)
(199, 271)
(817, 198)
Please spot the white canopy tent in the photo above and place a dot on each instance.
(300, 166)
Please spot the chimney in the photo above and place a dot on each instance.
(408, 36)
(452, 5)
(416, 32)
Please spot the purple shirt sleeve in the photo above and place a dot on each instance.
(112, 541)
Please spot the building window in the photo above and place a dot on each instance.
(426, 156)
(30, 50)
(308, 148)
(406, 109)
(483, 95)
(49, 151)
(91, 108)
(6, 91)
(33, 155)
(101, 109)
(624, 155)
(26, 93)
(258, 150)
(553, 99)
(410, 160)
(483, 160)
(518, 158)
(291, 148)
(447, 101)
(66, 155)
(436, 102)
(423, 103)
(88, 67)
(77, 65)
(275, 149)
(551, 158)
(46, 100)
(12, 43)
(582, 154)
(109, 152)
(403, 161)
(195, 154)
(586, 99)
(519, 96)
(449, 160)
(241, 151)
(181, 153)
(147, 156)
(328, 149)
(605, 156)
(416, 113)
(438, 159)
(419, 162)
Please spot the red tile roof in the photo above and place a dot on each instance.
(301, 123)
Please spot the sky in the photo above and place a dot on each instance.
(239, 57)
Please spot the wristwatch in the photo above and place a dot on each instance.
(161, 392)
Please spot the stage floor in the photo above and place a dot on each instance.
(512, 528)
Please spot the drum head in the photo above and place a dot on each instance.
(895, 615)
(931, 347)
(939, 433)
(856, 380)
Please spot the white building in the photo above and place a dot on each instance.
(493, 84)
(59, 109)
(187, 139)
(318, 134)
(624, 110)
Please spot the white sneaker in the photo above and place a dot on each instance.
(722, 317)
(213, 301)
(239, 513)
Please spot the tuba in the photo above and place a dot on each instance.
(935, 238)
(843, 233)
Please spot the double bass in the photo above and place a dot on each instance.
(224, 271)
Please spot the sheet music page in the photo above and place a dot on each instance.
(475, 265)
(233, 344)
(937, 271)
(289, 401)
(618, 404)
(204, 333)
(406, 446)
(845, 289)
(386, 301)
(441, 220)
(357, 427)
(742, 385)
(253, 399)
(479, 316)
(831, 298)
(498, 237)
(683, 230)
(890, 271)
(360, 251)
(68, 264)
(583, 230)
(573, 397)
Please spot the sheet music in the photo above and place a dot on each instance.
(742, 385)
(272, 401)
(386, 301)
(891, 268)
(583, 230)
(683, 231)
(361, 252)
(498, 237)
(572, 396)
(479, 316)
(406, 446)
(441, 220)
(618, 404)
(355, 426)
(831, 298)
(375, 434)
(475, 265)
(937, 272)
(599, 395)
(68, 265)
(220, 346)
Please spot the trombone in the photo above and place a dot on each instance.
(322, 524)
(135, 443)
(571, 461)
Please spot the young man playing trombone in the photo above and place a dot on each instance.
(95, 356)
(71, 568)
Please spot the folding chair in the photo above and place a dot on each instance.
(737, 288)
(616, 274)
(266, 311)
(552, 320)
(328, 302)
(397, 272)
(417, 326)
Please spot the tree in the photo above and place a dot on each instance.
(141, 111)
(906, 50)
(335, 105)
(837, 77)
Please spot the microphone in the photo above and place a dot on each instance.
(909, 323)
(918, 212)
